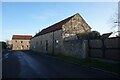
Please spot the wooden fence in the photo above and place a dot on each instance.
(104, 48)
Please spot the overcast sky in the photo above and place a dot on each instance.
(30, 17)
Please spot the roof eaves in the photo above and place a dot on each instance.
(64, 21)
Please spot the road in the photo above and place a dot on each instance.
(26, 64)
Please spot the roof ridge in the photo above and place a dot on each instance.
(21, 36)
(56, 27)
(57, 22)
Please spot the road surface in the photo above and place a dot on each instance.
(26, 64)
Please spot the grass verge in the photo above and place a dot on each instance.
(112, 67)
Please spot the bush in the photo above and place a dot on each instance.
(89, 35)
(3, 45)
(94, 34)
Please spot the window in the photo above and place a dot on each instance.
(27, 45)
(40, 42)
(46, 45)
(36, 43)
(57, 41)
(16, 41)
(34, 46)
(22, 47)
(21, 41)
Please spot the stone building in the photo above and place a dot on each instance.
(52, 39)
(20, 42)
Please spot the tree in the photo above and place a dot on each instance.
(119, 18)
(3, 45)
(115, 21)
(94, 34)
(89, 35)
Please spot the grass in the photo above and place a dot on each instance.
(112, 67)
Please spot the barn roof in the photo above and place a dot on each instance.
(53, 27)
(21, 37)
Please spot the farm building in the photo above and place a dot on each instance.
(53, 38)
(20, 42)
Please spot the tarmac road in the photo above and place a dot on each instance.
(26, 64)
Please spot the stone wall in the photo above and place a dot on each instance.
(20, 44)
(74, 26)
(76, 48)
(59, 41)
(53, 40)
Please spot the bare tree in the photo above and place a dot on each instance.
(115, 21)
(119, 18)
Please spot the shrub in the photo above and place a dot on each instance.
(89, 35)
(3, 45)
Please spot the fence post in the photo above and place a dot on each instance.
(89, 53)
(103, 48)
(85, 48)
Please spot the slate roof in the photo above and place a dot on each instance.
(106, 35)
(21, 37)
(54, 27)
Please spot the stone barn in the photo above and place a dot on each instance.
(20, 42)
(54, 39)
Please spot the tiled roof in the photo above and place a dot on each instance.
(21, 37)
(106, 35)
(54, 27)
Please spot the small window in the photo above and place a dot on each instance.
(57, 41)
(34, 46)
(46, 45)
(40, 42)
(15, 41)
(36, 43)
(21, 41)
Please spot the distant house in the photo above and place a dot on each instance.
(50, 39)
(20, 42)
